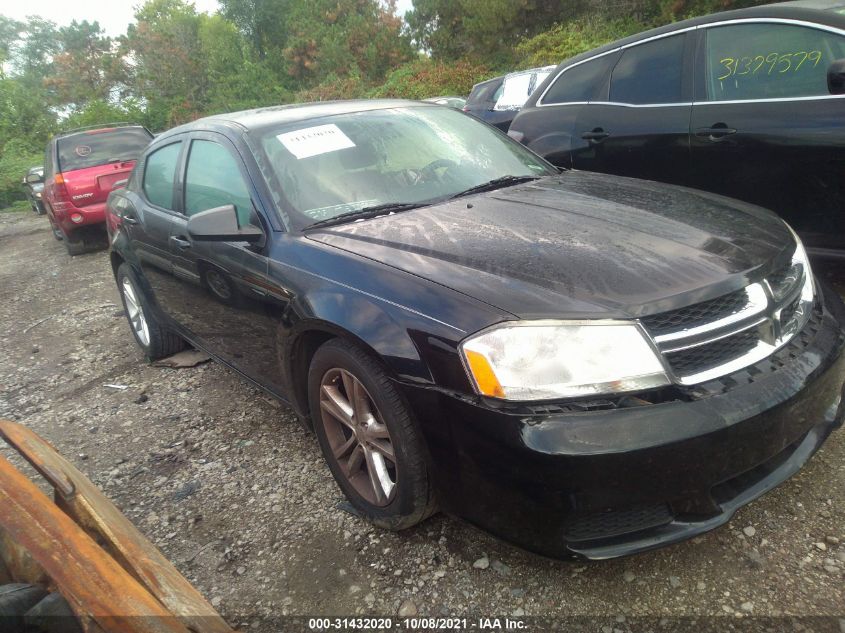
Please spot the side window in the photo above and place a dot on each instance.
(159, 174)
(649, 73)
(579, 83)
(214, 179)
(766, 61)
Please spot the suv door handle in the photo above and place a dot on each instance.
(180, 242)
(596, 135)
(130, 219)
(715, 133)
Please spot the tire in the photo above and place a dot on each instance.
(74, 247)
(15, 600)
(410, 500)
(152, 337)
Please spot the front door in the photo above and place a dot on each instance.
(641, 129)
(764, 127)
(222, 300)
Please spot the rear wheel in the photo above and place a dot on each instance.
(368, 438)
(74, 246)
(156, 340)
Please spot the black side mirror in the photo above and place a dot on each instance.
(221, 225)
(836, 77)
(33, 178)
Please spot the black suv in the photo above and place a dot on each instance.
(746, 103)
(584, 364)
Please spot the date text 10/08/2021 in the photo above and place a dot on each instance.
(414, 624)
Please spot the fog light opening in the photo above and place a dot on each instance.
(76, 218)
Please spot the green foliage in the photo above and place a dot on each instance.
(567, 40)
(428, 78)
(16, 156)
(484, 30)
(101, 111)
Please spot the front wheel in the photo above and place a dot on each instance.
(151, 336)
(368, 438)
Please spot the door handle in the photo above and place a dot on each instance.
(181, 243)
(596, 135)
(715, 133)
(130, 219)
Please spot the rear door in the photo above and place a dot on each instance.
(641, 127)
(147, 222)
(764, 127)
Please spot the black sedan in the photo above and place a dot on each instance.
(746, 103)
(583, 364)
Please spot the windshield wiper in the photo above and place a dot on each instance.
(369, 212)
(496, 183)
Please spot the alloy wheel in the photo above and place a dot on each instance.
(218, 284)
(359, 439)
(135, 312)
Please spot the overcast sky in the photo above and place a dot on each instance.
(113, 15)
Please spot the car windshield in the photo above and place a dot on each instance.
(98, 147)
(338, 165)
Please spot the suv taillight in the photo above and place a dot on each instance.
(61, 197)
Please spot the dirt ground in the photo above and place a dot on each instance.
(236, 494)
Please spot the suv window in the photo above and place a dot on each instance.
(765, 61)
(213, 179)
(649, 73)
(579, 83)
(100, 147)
(159, 174)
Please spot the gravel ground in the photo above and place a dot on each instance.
(231, 488)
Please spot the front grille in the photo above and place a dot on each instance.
(712, 310)
(694, 360)
(617, 522)
(723, 335)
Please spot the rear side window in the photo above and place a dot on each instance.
(485, 92)
(579, 83)
(160, 174)
(768, 61)
(649, 73)
(213, 179)
(89, 149)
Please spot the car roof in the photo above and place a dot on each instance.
(529, 71)
(95, 130)
(817, 11)
(258, 118)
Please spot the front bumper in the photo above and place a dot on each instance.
(605, 483)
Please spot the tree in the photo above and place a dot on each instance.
(263, 22)
(344, 37)
(84, 69)
(168, 70)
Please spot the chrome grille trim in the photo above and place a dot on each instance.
(757, 302)
(775, 311)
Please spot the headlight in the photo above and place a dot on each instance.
(541, 360)
(799, 257)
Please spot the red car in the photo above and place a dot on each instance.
(81, 168)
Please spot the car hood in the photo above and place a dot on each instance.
(578, 245)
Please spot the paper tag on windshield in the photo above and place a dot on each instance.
(312, 141)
